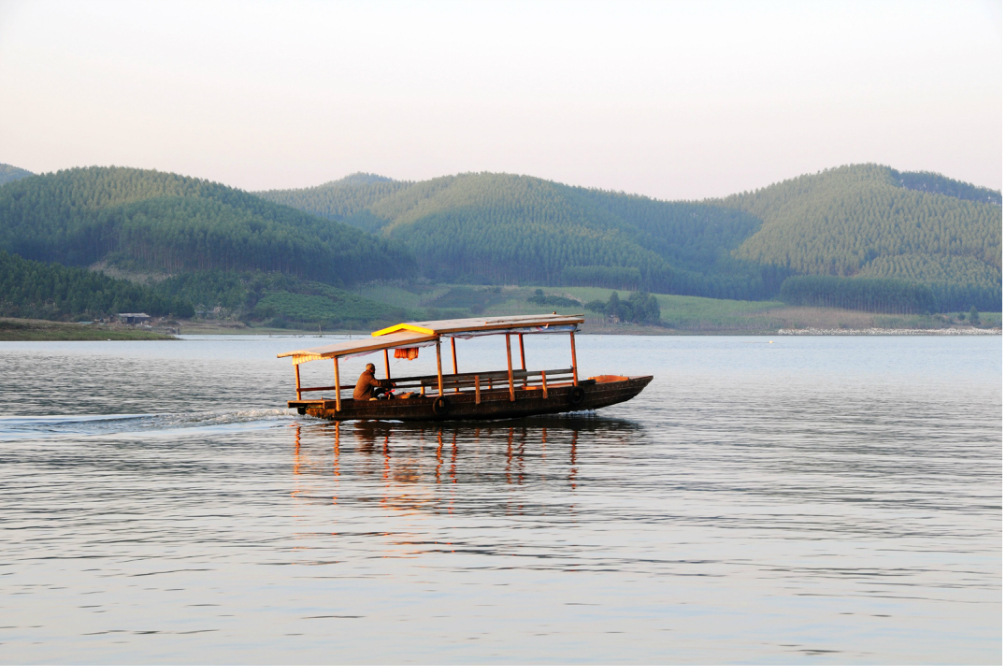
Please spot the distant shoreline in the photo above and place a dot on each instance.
(28, 330)
(890, 331)
(40, 330)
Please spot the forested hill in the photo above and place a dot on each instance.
(338, 199)
(872, 221)
(855, 222)
(10, 173)
(495, 228)
(165, 222)
(865, 220)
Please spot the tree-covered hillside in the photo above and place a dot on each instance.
(872, 221)
(40, 290)
(868, 221)
(338, 199)
(10, 173)
(171, 223)
(862, 222)
(499, 228)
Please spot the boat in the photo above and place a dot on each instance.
(511, 393)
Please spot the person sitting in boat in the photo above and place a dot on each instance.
(368, 387)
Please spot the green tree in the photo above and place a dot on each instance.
(39, 290)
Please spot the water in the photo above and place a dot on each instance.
(809, 499)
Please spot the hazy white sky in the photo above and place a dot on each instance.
(676, 100)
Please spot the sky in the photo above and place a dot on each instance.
(673, 100)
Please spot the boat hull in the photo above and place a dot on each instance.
(495, 404)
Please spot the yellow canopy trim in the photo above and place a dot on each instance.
(403, 327)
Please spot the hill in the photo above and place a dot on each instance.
(339, 199)
(499, 228)
(870, 221)
(884, 240)
(863, 221)
(171, 223)
(10, 173)
(838, 222)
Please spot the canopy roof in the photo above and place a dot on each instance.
(480, 324)
(420, 334)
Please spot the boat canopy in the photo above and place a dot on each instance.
(425, 333)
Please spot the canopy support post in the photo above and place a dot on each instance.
(508, 351)
(299, 394)
(438, 361)
(386, 361)
(522, 358)
(452, 342)
(574, 360)
(337, 387)
(543, 378)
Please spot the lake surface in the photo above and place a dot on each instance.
(827, 499)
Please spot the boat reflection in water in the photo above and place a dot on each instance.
(407, 466)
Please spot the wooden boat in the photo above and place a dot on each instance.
(510, 393)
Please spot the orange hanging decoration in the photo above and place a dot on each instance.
(409, 353)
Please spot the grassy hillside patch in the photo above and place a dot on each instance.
(400, 295)
(679, 314)
(331, 309)
(476, 300)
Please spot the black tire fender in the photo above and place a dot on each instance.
(440, 406)
(577, 395)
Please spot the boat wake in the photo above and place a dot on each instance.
(55, 426)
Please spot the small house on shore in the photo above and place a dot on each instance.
(134, 318)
